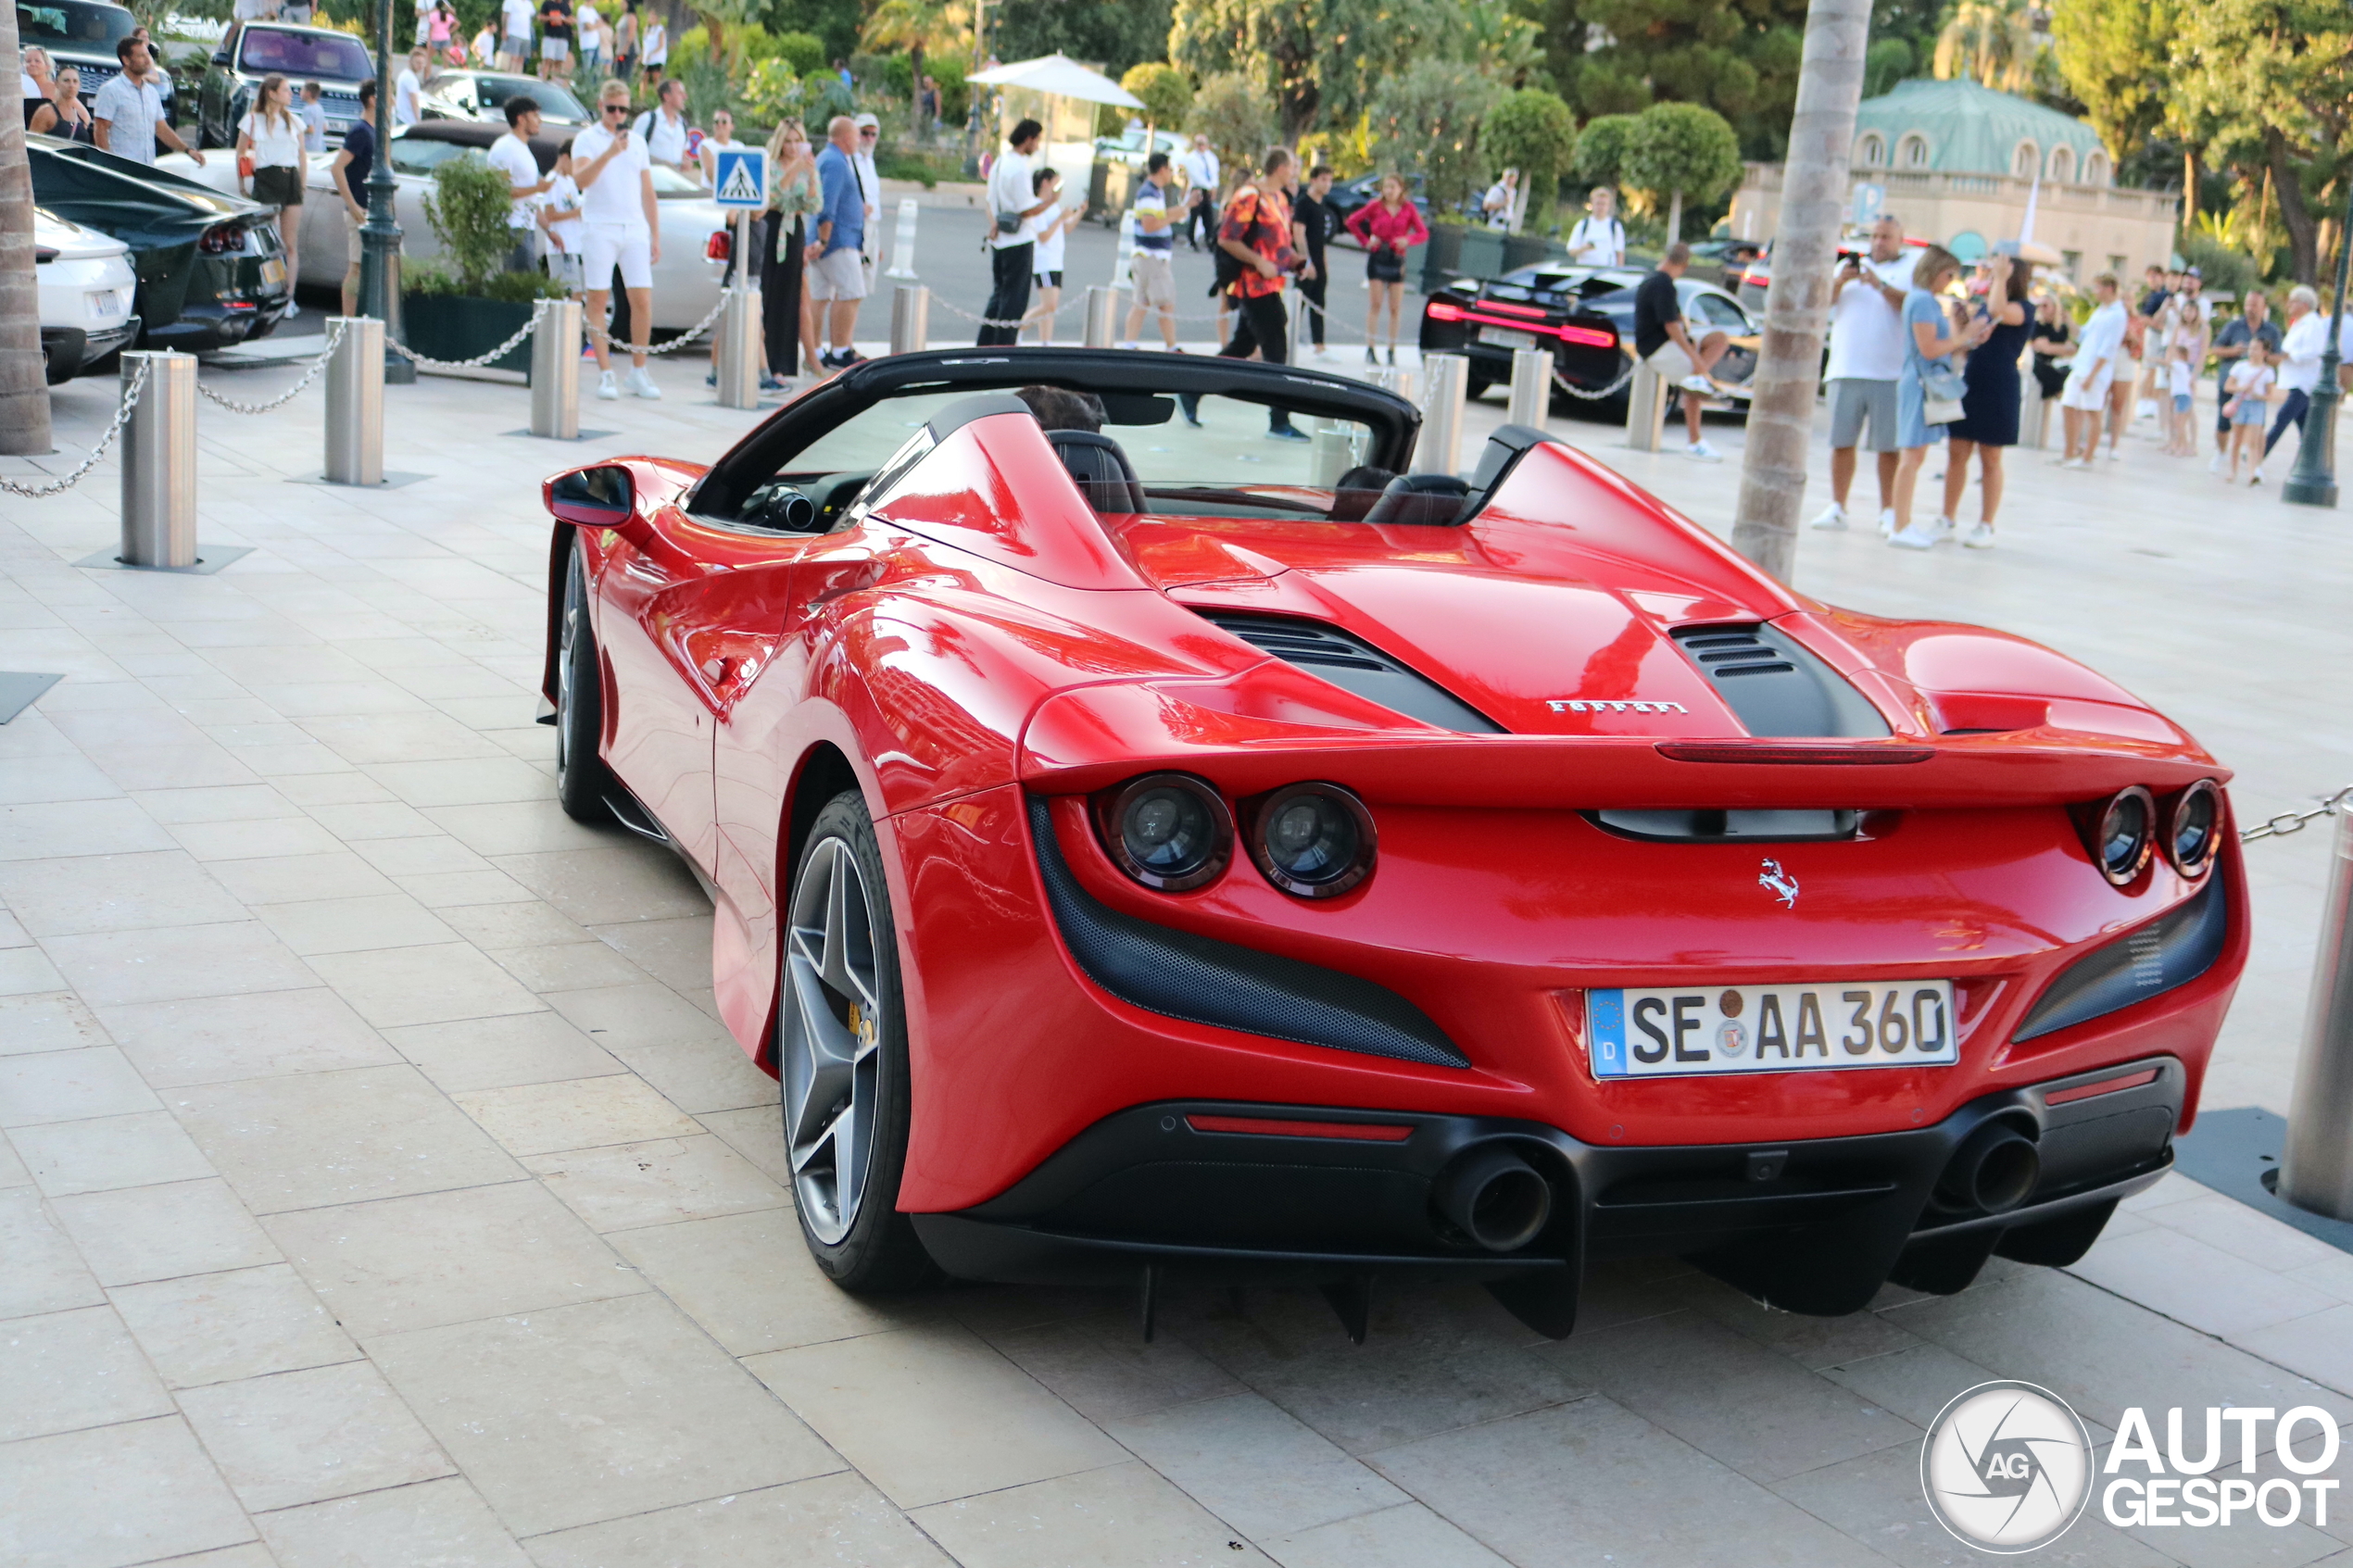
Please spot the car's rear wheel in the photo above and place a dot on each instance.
(841, 1057)
(581, 781)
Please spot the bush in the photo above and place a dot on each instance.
(1233, 111)
(1167, 93)
(1601, 148)
(2223, 271)
(1681, 151)
(1534, 132)
(521, 288)
(801, 52)
(955, 97)
(467, 209)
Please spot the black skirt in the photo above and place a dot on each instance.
(780, 293)
(1385, 265)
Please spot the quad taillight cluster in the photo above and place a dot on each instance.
(1174, 832)
(2131, 827)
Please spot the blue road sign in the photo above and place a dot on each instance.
(743, 178)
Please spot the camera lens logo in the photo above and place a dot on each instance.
(2006, 1467)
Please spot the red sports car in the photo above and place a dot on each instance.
(1152, 848)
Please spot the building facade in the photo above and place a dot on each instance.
(1957, 162)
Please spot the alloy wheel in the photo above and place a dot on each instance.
(830, 1037)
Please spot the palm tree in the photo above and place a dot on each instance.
(1797, 303)
(24, 387)
(920, 26)
(1991, 41)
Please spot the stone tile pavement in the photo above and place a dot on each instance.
(376, 1187)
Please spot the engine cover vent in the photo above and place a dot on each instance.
(1356, 666)
(1775, 687)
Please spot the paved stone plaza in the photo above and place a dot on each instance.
(377, 1190)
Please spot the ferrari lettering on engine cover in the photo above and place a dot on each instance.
(1832, 1023)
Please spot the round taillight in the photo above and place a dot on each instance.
(2125, 834)
(1314, 840)
(2193, 825)
(717, 247)
(1168, 831)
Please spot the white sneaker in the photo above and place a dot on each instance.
(1833, 518)
(1132, 346)
(1979, 537)
(2143, 409)
(1701, 452)
(1886, 522)
(1919, 537)
(642, 384)
(1697, 384)
(2255, 479)
(1945, 528)
(2077, 463)
(605, 389)
(2216, 466)
(292, 311)
(2114, 455)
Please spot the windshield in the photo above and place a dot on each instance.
(73, 24)
(304, 54)
(419, 154)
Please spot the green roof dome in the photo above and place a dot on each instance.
(1963, 128)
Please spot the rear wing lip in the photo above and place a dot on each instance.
(1086, 739)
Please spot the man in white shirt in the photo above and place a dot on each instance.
(622, 229)
(2098, 352)
(404, 92)
(129, 110)
(510, 156)
(514, 48)
(663, 127)
(2301, 346)
(1598, 239)
(870, 184)
(1201, 172)
(1013, 206)
(1867, 357)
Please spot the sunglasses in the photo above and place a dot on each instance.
(616, 108)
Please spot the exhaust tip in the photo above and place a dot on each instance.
(1995, 1170)
(1496, 1198)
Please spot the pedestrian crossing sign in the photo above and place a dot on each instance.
(743, 178)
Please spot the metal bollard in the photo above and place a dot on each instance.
(1445, 386)
(902, 248)
(1122, 271)
(1332, 452)
(555, 372)
(1645, 409)
(356, 403)
(738, 369)
(909, 318)
(2316, 1171)
(159, 463)
(1102, 315)
(1531, 387)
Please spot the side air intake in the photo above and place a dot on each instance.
(1775, 687)
(1356, 666)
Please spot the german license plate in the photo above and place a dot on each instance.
(1829, 1023)
(1504, 337)
(273, 271)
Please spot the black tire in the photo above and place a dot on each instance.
(581, 781)
(872, 1246)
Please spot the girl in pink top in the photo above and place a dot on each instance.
(1387, 229)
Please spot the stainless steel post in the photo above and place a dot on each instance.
(1445, 385)
(909, 318)
(2317, 1170)
(1531, 387)
(159, 463)
(1333, 453)
(1645, 409)
(1102, 315)
(555, 372)
(356, 403)
(738, 367)
(902, 249)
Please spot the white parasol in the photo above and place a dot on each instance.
(1062, 76)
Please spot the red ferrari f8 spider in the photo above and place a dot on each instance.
(1150, 849)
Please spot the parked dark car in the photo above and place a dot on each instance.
(211, 269)
(1585, 315)
(1349, 195)
(82, 33)
(336, 61)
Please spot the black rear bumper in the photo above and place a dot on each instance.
(1811, 1227)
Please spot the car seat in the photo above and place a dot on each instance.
(1103, 474)
(1431, 499)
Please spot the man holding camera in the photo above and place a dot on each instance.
(1866, 359)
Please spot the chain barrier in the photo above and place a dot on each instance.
(1610, 391)
(122, 417)
(334, 338)
(690, 336)
(538, 309)
(2297, 821)
(1031, 319)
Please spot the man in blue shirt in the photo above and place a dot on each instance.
(836, 259)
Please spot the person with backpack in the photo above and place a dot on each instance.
(1255, 232)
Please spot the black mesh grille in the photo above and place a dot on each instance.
(1356, 666)
(1774, 686)
(2173, 949)
(1200, 980)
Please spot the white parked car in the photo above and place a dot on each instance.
(86, 288)
(686, 282)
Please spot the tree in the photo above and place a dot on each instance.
(2113, 56)
(1167, 93)
(1231, 111)
(1320, 61)
(1797, 302)
(1535, 132)
(1113, 34)
(1679, 150)
(920, 26)
(1618, 57)
(24, 385)
(833, 22)
(1888, 62)
(1426, 117)
(1991, 42)
(1601, 148)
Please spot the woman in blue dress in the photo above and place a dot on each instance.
(1989, 405)
(1927, 338)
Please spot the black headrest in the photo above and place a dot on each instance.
(1102, 470)
(1433, 499)
(1356, 492)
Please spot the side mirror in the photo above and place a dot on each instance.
(221, 59)
(600, 497)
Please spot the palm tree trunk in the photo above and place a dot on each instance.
(24, 389)
(1814, 191)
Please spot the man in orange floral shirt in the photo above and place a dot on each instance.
(1257, 231)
